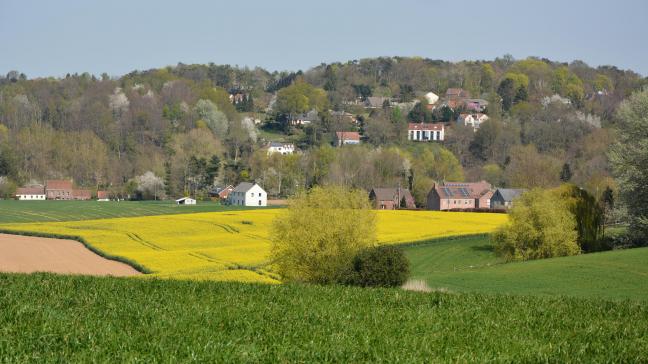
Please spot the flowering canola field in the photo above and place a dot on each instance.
(234, 245)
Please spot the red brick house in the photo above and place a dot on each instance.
(391, 198)
(103, 196)
(64, 190)
(59, 190)
(459, 195)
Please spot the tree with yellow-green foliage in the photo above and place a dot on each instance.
(316, 238)
(540, 226)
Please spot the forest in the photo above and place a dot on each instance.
(186, 128)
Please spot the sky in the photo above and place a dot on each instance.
(52, 38)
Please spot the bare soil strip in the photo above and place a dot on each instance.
(28, 254)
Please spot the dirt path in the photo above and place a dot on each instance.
(27, 254)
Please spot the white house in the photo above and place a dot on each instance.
(425, 132)
(248, 194)
(474, 120)
(185, 201)
(281, 148)
(304, 119)
(30, 193)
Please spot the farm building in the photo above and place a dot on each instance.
(425, 132)
(248, 194)
(346, 137)
(391, 198)
(102, 196)
(220, 193)
(30, 193)
(64, 190)
(503, 197)
(185, 201)
(459, 195)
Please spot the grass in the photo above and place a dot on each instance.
(50, 318)
(12, 211)
(232, 245)
(469, 265)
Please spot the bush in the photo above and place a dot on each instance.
(384, 266)
(320, 233)
(540, 226)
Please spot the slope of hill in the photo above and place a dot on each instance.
(37, 211)
(47, 318)
(469, 265)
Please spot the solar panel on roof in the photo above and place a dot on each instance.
(446, 190)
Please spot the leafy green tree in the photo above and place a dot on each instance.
(507, 92)
(316, 238)
(630, 162)
(487, 78)
(212, 117)
(540, 226)
(406, 93)
(566, 173)
(588, 214)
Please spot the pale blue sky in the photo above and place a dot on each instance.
(52, 38)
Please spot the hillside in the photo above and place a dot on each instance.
(469, 265)
(46, 318)
(193, 126)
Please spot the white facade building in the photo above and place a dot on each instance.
(425, 132)
(474, 120)
(248, 194)
(30, 194)
(185, 201)
(281, 148)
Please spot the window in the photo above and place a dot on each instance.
(259, 202)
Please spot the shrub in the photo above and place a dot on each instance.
(320, 233)
(383, 266)
(540, 226)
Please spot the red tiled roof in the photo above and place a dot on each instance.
(425, 126)
(58, 184)
(347, 135)
(30, 191)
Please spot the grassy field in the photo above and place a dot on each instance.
(12, 211)
(48, 318)
(234, 245)
(469, 265)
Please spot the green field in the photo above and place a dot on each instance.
(48, 318)
(469, 265)
(12, 211)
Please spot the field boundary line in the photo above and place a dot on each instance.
(137, 266)
(435, 240)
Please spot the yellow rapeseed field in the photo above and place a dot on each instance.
(234, 245)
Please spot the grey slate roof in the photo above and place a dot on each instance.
(243, 187)
(508, 194)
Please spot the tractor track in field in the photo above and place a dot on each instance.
(147, 244)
